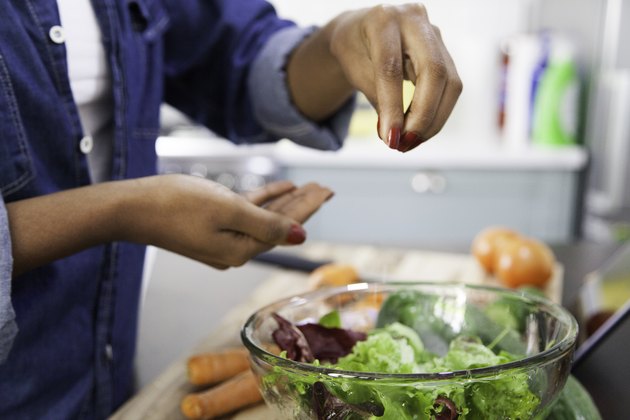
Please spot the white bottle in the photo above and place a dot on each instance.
(524, 53)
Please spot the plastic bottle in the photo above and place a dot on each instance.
(524, 55)
(556, 102)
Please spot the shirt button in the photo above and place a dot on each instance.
(86, 144)
(109, 352)
(57, 34)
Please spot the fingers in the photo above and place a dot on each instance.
(437, 85)
(266, 226)
(301, 203)
(380, 47)
(430, 69)
(385, 50)
(254, 230)
(269, 192)
(236, 249)
(280, 222)
(450, 95)
(206, 221)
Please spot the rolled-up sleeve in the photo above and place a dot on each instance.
(271, 100)
(8, 327)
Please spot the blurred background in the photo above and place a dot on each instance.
(539, 142)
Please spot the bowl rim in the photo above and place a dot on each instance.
(556, 351)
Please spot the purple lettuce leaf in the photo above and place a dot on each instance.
(307, 342)
(290, 339)
(329, 344)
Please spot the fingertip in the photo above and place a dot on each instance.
(285, 183)
(393, 138)
(296, 235)
(409, 141)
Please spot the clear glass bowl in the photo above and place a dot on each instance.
(541, 333)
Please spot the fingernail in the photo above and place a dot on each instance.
(409, 140)
(378, 126)
(297, 235)
(393, 139)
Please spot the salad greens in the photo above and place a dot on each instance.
(435, 320)
(409, 338)
(393, 349)
(397, 348)
(331, 320)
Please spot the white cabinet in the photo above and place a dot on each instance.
(439, 195)
(422, 207)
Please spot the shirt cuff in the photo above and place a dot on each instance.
(272, 104)
(8, 327)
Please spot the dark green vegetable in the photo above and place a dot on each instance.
(574, 403)
(418, 311)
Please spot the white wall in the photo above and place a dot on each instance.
(472, 31)
(482, 17)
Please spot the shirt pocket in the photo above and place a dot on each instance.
(16, 168)
(148, 18)
(142, 47)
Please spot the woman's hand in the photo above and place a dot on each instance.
(283, 197)
(205, 221)
(191, 216)
(374, 50)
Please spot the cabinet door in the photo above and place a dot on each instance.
(412, 208)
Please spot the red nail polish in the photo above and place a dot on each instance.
(393, 139)
(297, 235)
(409, 141)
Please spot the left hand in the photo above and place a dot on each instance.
(376, 49)
(284, 198)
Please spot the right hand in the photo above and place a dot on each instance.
(205, 221)
(373, 50)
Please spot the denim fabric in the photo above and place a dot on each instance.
(269, 99)
(77, 317)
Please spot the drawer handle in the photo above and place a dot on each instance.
(426, 182)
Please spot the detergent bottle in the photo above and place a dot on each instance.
(556, 98)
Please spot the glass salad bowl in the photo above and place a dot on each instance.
(411, 350)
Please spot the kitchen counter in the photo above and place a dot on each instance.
(442, 154)
(439, 153)
(160, 399)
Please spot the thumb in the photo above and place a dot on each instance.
(269, 227)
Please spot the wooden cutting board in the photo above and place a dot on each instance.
(160, 400)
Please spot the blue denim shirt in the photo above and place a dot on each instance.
(219, 61)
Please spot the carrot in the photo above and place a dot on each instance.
(333, 275)
(210, 368)
(373, 300)
(224, 398)
(272, 348)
